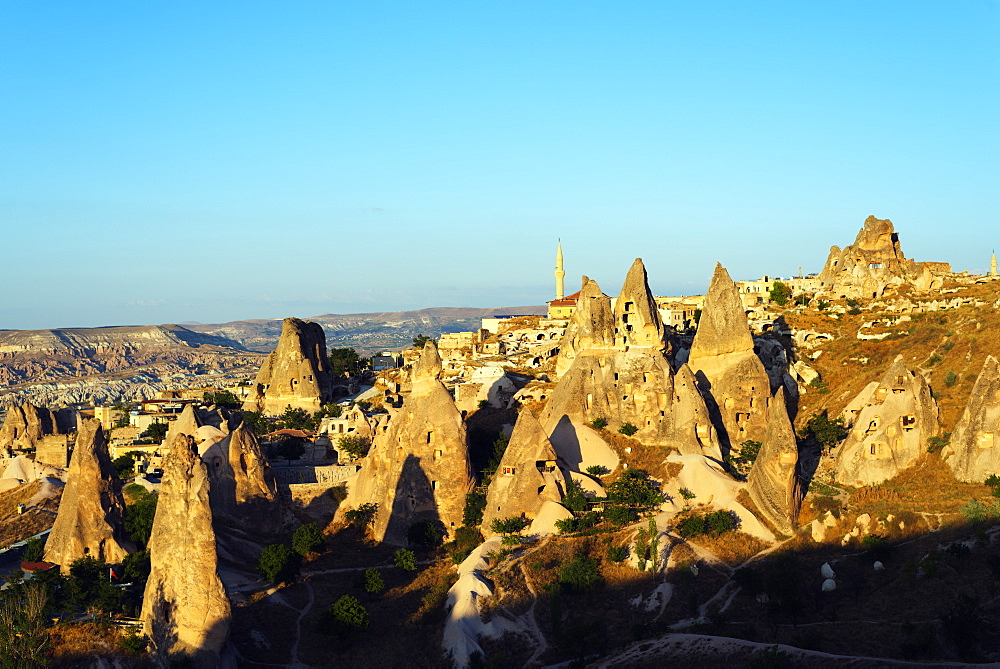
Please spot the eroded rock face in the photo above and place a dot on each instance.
(591, 327)
(296, 373)
(619, 373)
(185, 611)
(418, 470)
(187, 423)
(91, 511)
(26, 426)
(242, 483)
(875, 263)
(527, 476)
(890, 424)
(774, 484)
(731, 377)
(974, 451)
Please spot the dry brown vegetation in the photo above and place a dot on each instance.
(86, 642)
(732, 548)
(16, 527)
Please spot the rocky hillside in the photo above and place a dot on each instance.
(368, 333)
(108, 364)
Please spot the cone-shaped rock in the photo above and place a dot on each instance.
(185, 612)
(92, 507)
(29, 427)
(890, 424)
(974, 451)
(730, 376)
(187, 423)
(296, 373)
(241, 479)
(591, 327)
(637, 321)
(774, 484)
(527, 476)
(629, 381)
(418, 469)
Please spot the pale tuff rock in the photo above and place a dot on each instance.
(185, 611)
(890, 424)
(974, 451)
(187, 423)
(29, 427)
(527, 476)
(418, 469)
(774, 483)
(242, 483)
(731, 377)
(627, 380)
(875, 263)
(637, 320)
(591, 327)
(296, 373)
(92, 507)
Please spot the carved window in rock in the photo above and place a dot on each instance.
(616, 376)
(701, 431)
(985, 440)
(645, 377)
(787, 458)
(875, 265)
(873, 425)
(438, 453)
(509, 471)
(430, 436)
(434, 485)
(909, 422)
(729, 403)
(890, 431)
(881, 393)
(590, 400)
(751, 402)
(900, 380)
(545, 465)
(742, 417)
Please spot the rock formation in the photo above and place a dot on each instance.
(774, 483)
(875, 263)
(296, 373)
(91, 511)
(185, 612)
(974, 450)
(527, 476)
(591, 327)
(619, 373)
(241, 480)
(30, 427)
(418, 469)
(731, 377)
(187, 423)
(890, 424)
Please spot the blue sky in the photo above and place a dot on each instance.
(165, 162)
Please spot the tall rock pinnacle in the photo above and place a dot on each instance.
(723, 327)
(296, 373)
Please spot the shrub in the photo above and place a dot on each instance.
(620, 515)
(580, 573)
(362, 516)
(405, 559)
(133, 643)
(854, 311)
(426, 533)
(825, 431)
(350, 615)
(599, 423)
(993, 481)
(34, 549)
(935, 444)
(374, 581)
(511, 540)
(139, 515)
(617, 553)
(950, 378)
(933, 360)
(509, 525)
(686, 494)
(276, 564)
(692, 526)
(634, 488)
(475, 504)
(598, 470)
(720, 522)
(575, 500)
(780, 293)
(354, 445)
(466, 539)
(307, 539)
(628, 429)
(566, 525)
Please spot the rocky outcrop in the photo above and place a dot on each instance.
(974, 450)
(620, 374)
(418, 469)
(92, 508)
(242, 483)
(26, 425)
(297, 373)
(591, 327)
(187, 423)
(731, 377)
(527, 476)
(874, 264)
(890, 423)
(774, 484)
(185, 612)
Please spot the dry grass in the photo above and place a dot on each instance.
(16, 527)
(732, 548)
(81, 644)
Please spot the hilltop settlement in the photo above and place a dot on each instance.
(797, 471)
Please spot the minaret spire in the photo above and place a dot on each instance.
(993, 265)
(560, 274)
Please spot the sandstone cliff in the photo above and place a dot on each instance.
(185, 611)
(92, 508)
(731, 377)
(242, 483)
(296, 373)
(974, 451)
(774, 484)
(890, 424)
(418, 469)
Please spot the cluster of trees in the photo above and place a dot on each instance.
(346, 362)
(280, 563)
(633, 494)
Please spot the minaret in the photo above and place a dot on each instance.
(993, 265)
(560, 274)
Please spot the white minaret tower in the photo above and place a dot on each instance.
(993, 265)
(560, 274)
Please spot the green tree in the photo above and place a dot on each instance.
(374, 581)
(124, 466)
(156, 431)
(277, 564)
(349, 615)
(362, 516)
(24, 641)
(346, 362)
(628, 429)
(574, 499)
(354, 445)
(426, 533)
(421, 340)
(580, 573)
(599, 423)
(257, 421)
(511, 525)
(34, 549)
(950, 378)
(780, 293)
(296, 419)
(307, 539)
(139, 515)
(222, 398)
(598, 470)
(475, 505)
(635, 488)
(824, 431)
(136, 567)
(405, 559)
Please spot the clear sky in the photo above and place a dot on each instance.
(174, 161)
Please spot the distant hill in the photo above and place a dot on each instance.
(370, 332)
